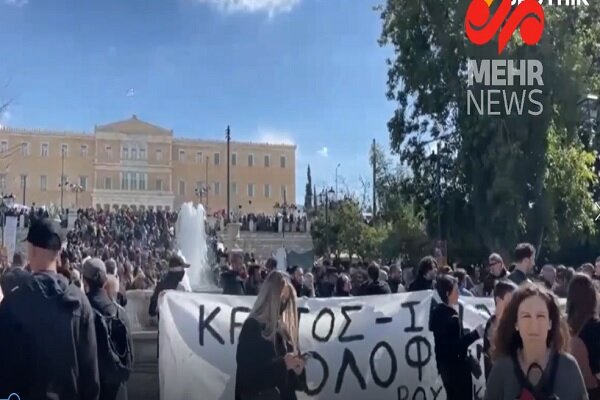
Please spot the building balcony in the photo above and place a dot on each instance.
(136, 198)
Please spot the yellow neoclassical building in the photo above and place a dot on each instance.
(135, 163)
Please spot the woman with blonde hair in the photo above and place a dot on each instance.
(531, 359)
(269, 363)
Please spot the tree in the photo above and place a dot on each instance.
(308, 195)
(314, 197)
(498, 174)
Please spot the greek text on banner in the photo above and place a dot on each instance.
(364, 347)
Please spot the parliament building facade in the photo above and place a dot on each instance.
(133, 163)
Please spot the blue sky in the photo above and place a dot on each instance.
(303, 71)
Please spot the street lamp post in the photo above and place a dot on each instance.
(325, 196)
(6, 205)
(201, 192)
(436, 154)
(62, 177)
(77, 189)
(588, 107)
(336, 180)
(283, 209)
(228, 137)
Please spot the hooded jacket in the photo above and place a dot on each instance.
(48, 341)
(371, 288)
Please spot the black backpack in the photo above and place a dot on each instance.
(115, 355)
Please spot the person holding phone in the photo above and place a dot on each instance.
(270, 365)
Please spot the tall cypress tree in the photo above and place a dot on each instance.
(308, 194)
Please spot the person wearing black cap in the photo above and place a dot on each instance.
(171, 281)
(115, 348)
(47, 335)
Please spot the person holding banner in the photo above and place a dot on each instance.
(269, 364)
(451, 344)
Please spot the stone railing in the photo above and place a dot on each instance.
(143, 383)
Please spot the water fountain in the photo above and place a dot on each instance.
(191, 240)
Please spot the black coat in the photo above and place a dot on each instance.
(420, 284)
(260, 365)
(374, 288)
(232, 283)
(301, 290)
(451, 346)
(169, 282)
(48, 341)
(100, 302)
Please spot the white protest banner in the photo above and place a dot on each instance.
(10, 236)
(377, 347)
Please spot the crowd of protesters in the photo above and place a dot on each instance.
(108, 253)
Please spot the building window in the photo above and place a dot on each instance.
(143, 179)
(108, 151)
(64, 150)
(134, 180)
(83, 182)
(251, 160)
(283, 192)
(24, 149)
(142, 153)
(267, 160)
(181, 155)
(125, 155)
(158, 154)
(23, 181)
(43, 183)
(234, 188)
(217, 158)
(84, 150)
(199, 157)
(124, 181)
(282, 161)
(134, 153)
(2, 181)
(159, 185)
(234, 159)
(181, 188)
(44, 150)
(217, 187)
(107, 183)
(3, 146)
(267, 190)
(250, 190)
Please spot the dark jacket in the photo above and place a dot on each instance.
(169, 282)
(48, 341)
(232, 283)
(325, 289)
(261, 366)
(252, 288)
(374, 287)
(451, 346)
(420, 284)
(487, 346)
(122, 299)
(301, 290)
(100, 302)
(13, 277)
(517, 276)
